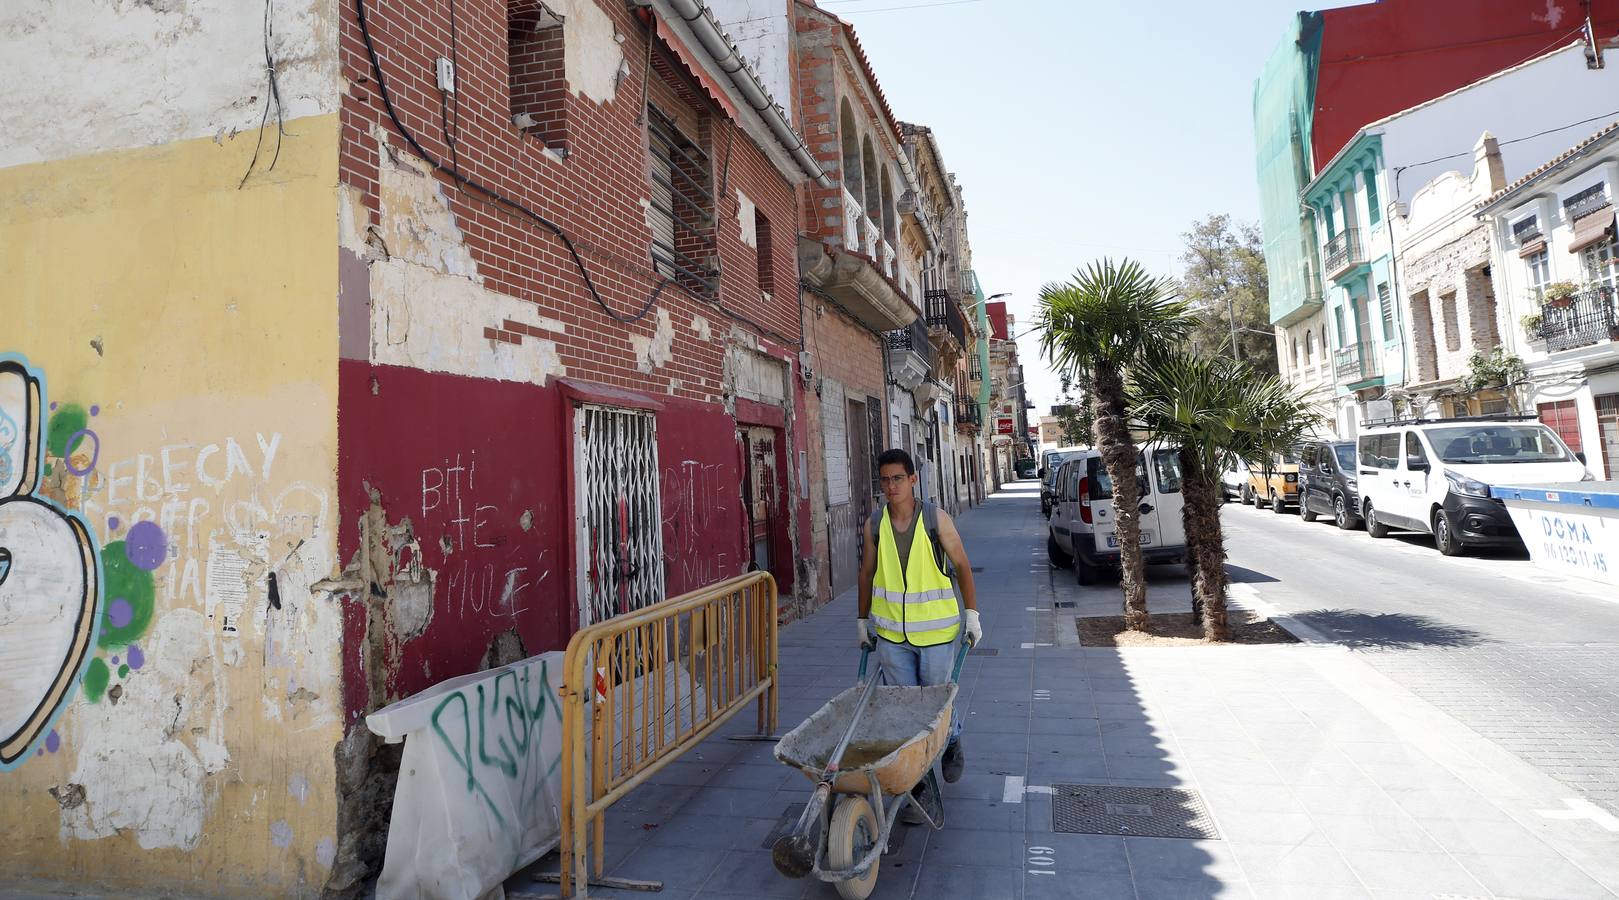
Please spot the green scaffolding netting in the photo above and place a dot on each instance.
(1284, 99)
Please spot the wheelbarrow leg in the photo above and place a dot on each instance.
(930, 800)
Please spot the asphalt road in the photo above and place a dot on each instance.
(1528, 659)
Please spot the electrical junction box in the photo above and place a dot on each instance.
(446, 75)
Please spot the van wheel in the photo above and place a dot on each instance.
(1305, 512)
(1248, 496)
(1086, 574)
(1277, 504)
(1058, 558)
(1444, 537)
(1341, 514)
(1373, 527)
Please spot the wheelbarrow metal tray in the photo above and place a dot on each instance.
(907, 726)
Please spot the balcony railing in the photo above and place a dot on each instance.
(888, 259)
(913, 338)
(968, 412)
(1358, 362)
(852, 214)
(1343, 251)
(975, 367)
(1591, 318)
(943, 312)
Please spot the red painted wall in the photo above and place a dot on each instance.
(463, 459)
(1380, 58)
(997, 320)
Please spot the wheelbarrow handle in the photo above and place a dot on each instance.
(961, 657)
(865, 653)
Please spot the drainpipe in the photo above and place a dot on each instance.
(718, 45)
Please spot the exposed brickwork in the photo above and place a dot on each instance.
(597, 194)
(1453, 309)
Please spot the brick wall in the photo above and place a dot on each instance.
(1452, 304)
(596, 194)
(849, 366)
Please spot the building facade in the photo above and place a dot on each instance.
(1555, 264)
(427, 367)
(1337, 70)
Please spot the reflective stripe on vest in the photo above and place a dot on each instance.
(915, 603)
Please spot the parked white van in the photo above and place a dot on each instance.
(1081, 532)
(1434, 476)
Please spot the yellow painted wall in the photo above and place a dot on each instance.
(200, 320)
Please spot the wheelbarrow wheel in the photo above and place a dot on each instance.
(853, 831)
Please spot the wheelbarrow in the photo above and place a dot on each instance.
(867, 750)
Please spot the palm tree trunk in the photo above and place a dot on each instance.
(1119, 454)
(1209, 585)
(1188, 467)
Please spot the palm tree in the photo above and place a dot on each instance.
(1096, 327)
(1218, 411)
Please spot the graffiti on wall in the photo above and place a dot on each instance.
(471, 531)
(50, 572)
(698, 499)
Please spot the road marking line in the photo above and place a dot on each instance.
(1027, 645)
(1583, 809)
(1017, 786)
(1013, 793)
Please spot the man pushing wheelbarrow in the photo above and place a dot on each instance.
(907, 592)
(872, 751)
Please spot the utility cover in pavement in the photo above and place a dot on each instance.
(1130, 811)
(984, 651)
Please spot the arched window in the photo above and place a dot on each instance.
(1309, 346)
(873, 196)
(890, 222)
(1298, 361)
(853, 178)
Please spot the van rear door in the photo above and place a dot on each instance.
(1165, 498)
(1100, 493)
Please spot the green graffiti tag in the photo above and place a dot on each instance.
(509, 717)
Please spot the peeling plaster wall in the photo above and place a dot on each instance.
(152, 72)
(183, 331)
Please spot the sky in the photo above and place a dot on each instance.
(1078, 129)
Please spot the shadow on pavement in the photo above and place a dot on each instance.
(1240, 575)
(1388, 631)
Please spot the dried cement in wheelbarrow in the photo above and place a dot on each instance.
(903, 730)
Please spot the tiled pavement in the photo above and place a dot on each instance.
(1324, 778)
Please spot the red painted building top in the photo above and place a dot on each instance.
(997, 320)
(1379, 58)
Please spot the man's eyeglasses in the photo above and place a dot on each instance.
(895, 480)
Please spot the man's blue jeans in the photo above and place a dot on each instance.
(908, 665)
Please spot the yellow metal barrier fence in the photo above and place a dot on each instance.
(657, 682)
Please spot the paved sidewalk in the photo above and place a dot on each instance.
(1323, 778)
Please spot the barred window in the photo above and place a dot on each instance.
(682, 206)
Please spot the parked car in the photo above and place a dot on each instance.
(1327, 482)
(1435, 476)
(1082, 531)
(1233, 480)
(1274, 485)
(1052, 461)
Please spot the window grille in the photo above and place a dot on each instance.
(1526, 230)
(620, 561)
(1585, 201)
(682, 206)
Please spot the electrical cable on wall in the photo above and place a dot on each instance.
(502, 200)
(272, 98)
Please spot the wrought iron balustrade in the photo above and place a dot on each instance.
(1590, 317)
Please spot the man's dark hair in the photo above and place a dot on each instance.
(896, 457)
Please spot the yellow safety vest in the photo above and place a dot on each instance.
(916, 602)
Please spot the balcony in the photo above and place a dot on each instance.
(1591, 318)
(910, 355)
(889, 259)
(852, 216)
(975, 368)
(1344, 252)
(969, 416)
(1359, 362)
(945, 319)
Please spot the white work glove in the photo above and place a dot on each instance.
(865, 630)
(975, 631)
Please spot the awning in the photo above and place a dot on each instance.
(1591, 229)
(1533, 247)
(693, 67)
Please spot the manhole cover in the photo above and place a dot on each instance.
(984, 651)
(978, 568)
(1131, 811)
(1065, 604)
